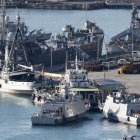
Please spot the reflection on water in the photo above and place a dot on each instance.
(16, 111)
(17, 99)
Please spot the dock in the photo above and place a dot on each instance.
(60, 5)
(121, 4)
(131, 81)
(72, 5)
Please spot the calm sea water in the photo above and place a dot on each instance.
(111, 21)
(16, 111)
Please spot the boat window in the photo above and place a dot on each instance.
(0, 86)
(23, 77)
(86, 96)
(83, 96)
(91, 97)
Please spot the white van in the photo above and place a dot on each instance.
(121, 61)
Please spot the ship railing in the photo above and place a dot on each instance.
(136, 114)
(52, 113)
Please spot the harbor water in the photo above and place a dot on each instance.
(111, 21)
(15, 124)
(16, 111)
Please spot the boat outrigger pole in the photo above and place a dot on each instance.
(16, 40)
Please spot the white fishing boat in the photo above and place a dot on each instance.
(15, 77)
(122, 108)
(61, 110)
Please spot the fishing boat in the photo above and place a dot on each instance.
(60, 111)
(17, 76)
(122, 108)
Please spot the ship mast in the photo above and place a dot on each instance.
(133, 23)
(18, 44)
(76, 62)
(66, 61)
(3, 14)
(134, 16)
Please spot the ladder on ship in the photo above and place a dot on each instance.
(81, 52)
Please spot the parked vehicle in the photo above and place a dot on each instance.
(132, 67)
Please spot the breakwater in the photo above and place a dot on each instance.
(61, 5)
(74, 5)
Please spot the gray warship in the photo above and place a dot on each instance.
(129, 39)
(86, 42)
(42, 48)
(8, 28)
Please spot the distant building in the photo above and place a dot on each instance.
(122, 1)
(44, 1)
(41, 1)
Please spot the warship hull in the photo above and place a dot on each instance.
(57, 57)
(40, 120)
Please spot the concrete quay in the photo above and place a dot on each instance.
(60, 5)
(131, 81)
(72, 4)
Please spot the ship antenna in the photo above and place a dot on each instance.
(6, 57)
(76, 62)
(66, 63)
(3, 13)
(133, 20)
(134, 15)
(18, 19)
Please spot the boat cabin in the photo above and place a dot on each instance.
(22, 77)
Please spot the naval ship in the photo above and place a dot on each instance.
(129, 39)
(8, 28)
(86, 42)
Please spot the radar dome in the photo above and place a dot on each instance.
(17, 18)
